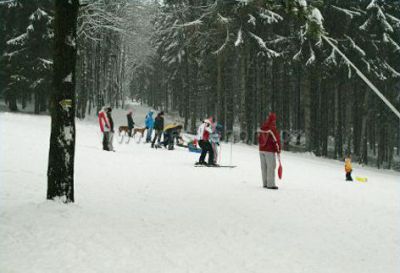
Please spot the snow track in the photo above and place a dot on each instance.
(147, 210)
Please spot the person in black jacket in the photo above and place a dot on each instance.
(159, 128)
(111, 135)
(131, 124)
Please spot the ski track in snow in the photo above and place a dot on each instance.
(146, 210)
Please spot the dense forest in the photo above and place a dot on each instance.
(235, 60)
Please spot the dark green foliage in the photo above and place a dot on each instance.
(26, 52)
(238, 60)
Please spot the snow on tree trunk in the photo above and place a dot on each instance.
(62, 141)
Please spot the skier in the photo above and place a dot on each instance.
(149, 123)
(348, 168)
(269, 144)
(111, 133)
(131, 124)
(104, 127)
(158, 127)
(203, 137)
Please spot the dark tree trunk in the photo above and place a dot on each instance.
(62, 140)
(363, 135)
(298, 97)
(398, 139)
(193, 98)
(43, 101)
(186, 100)
(324, 119)
(36, 109)
(307, 114)
(23, 101)
(338, 122)
(218, 104)
(12, 102)
(243, 89)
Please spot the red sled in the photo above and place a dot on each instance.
(280, 167)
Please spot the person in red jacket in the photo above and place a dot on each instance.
(105, 128)
(269, 144)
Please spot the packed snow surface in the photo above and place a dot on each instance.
(145, 210)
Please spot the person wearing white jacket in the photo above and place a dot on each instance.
(203, 136)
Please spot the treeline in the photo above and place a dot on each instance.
(112, 42)
(26, 48)
(238, 60)
(235, 60)
(101, 57)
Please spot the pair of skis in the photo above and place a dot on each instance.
(214, 166)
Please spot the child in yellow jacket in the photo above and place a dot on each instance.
(348, 168)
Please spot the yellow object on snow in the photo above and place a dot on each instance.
(361, 179)
(171, 126)
(347, 165)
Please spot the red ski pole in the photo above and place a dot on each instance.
(280, 167)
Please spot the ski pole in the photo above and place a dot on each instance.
(230, 161)
(101, 135)
(220, 154)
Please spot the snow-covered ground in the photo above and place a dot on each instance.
(144, 210)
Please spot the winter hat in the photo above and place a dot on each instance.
(269, 122)
(207, 121)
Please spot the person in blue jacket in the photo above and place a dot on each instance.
(149, 123)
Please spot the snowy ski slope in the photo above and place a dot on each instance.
(145, 210)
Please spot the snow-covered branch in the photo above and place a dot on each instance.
(262, 44)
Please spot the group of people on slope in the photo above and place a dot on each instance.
(208, 135)
(269, 146)
(169, 133)
(107, 128)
